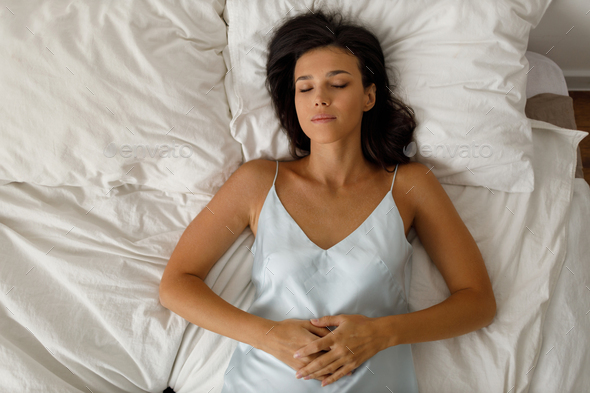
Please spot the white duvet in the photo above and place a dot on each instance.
(80, 276)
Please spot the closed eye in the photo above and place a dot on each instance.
(338, 87)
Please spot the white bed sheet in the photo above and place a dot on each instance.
(564, 358)
(80, 277)
(523, 240)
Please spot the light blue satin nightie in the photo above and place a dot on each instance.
(366, 273)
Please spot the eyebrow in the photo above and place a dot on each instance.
(328, 74)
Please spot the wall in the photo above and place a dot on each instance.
(569, 47)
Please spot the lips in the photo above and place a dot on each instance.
(322, 117)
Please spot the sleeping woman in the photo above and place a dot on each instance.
(331, 227)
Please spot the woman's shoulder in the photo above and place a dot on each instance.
(418, 178)
(259, 170)
(415, 173)
(408, 171)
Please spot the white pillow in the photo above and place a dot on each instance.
(80, 80)
(546, 78)
(461, 68)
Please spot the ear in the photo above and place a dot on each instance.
(371, 94)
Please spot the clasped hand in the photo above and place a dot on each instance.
(354, 340)
(327, 353)
(287, 336)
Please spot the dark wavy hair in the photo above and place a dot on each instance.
(385, 129)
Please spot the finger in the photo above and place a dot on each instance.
(314, 355)
(321, 344)
(311, 370)
(317, 330)
(329, 320)
(329, 368)
(344, 370)
(327, 375)
(308, 359)
(323, 377)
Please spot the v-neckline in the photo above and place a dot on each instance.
(341, 241)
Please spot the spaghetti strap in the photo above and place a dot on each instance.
(276, 173)
(394, 174)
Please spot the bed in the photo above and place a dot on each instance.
(88, 220)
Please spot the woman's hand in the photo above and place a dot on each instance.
(287, 336)
(355, 339)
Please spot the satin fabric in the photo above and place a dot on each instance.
(366, 273)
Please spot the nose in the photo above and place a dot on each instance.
(321, 99)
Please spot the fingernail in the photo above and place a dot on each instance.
(296, 355)
(298, 375)
(314, 320)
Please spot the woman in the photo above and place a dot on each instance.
(328, 245)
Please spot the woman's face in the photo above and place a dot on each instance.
(328, 81)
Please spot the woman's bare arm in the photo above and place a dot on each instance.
(188, 296)
(203, 243)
